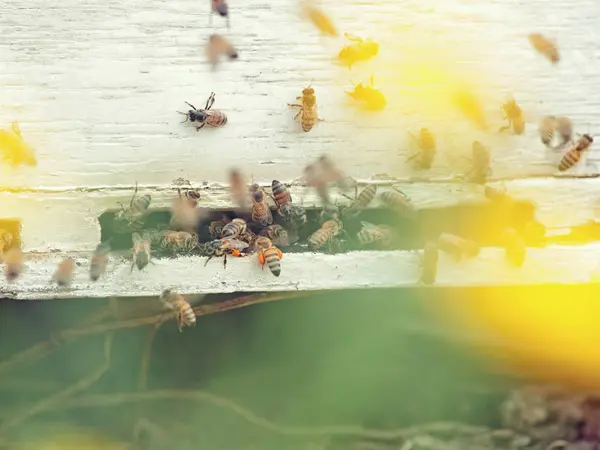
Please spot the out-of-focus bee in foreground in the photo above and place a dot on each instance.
(319, 19)
(217, 46)
(551, 127)
(308, 113)
(221, 8)
(480, 164)
(360, 50)
(269, 254)
(429, 263)
(514, 114)
(133, 217)
(14, 150)
(13, 263)
(177, 302)
(544, 46)
(369, 97)
(141, 251)
(514, 247)
(99, 261)
(427, 147)
(64, 272)
(6, 240)
(573, 155)
(211, 117)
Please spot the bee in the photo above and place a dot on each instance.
(514, 114)
(249, 238)
(333, 174)
(331, 212)
(14, 150)
(64, 272)
(427, 148)
(399, 202)
(314, 178)
(282, 198)
(564, 127)
(320, 20)
(99, 261)
(269, 254)
(308, 113)
(325, 235)
(217, 46)
(206, 116)
(133, 217)
(141, 251)
(277, 234)
(298, 217)
(234, 229)
(13, 263)
(381, 235)
(179, 241)
(470, 106)
(429, 263)
(546, 130)
(6, 240)
(215, 228)
(185, 215)
(544, 46)
(514, 247)
(495, 194)
(221, 247)
(359, 50)
(185, 313)
(237, 189)
(573, 155)
(192, 196)
(221, 8)
(480, 168)
(261, 213)
(369, 97)
(361, 201)
(457, 246)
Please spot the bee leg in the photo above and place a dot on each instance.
(208, 259)
(225, 261)
(292, 105)
(200, 127)
(132, 266)
(413, 157)
(502, 129)
(296, 116)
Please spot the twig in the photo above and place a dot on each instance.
(146, 355)
(93, 401)
(52, 400)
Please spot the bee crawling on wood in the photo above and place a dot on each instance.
(361, 201)
(99, 260)
(141, 251)
(308, 113)
(457, 246)
(185, 313)
(206, 116)
(573, 155)
(64, 272)
(269, 254)
(234, 229)
(6, 240)
(221, 8)
(277, 234)
(261, 212)
(179, 241)
(215, 228)
(217, 46)
(429, 263)
(360, 50)
(133, 217)
(13, 263)
(514, 114)
(222, 247)
(514, 247)
(427, 147)
(399, 202)
(369, 97)
(282, 198)
(327, 234)
(379, 235)
(544, 46)
(190, 194)
(480, 164)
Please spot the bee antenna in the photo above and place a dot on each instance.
(310, 84)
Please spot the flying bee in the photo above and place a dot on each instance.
(237, 188)
(185, 215)
(325, 235)
(261, 213)
(495, 194)
(141, 251)
(217, 46)
(277, 234)
(215, 228)
(427, 148)
(564, 127)
(99, 261)
(133, 217)
(179, 241)
(380, 235)
(546, 130)
(234, 229)
(544, 46)
(282, 198)
(190, 194)
(457, 246)
(551, 126)
(333, 174)
(480, 164)
(399, 202)
(369, 97)
(514, 115)
(514, 247)
(221, 8)
(13, 263)
(185, 313)
(320, 20)
(314, 178)
(222, 247)
(359, 50)
(64, 272)
(429, 263)
(308, 113)
(573, 155)
(206, 116)
(6, 240)
(361, 201)
(269, 254)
